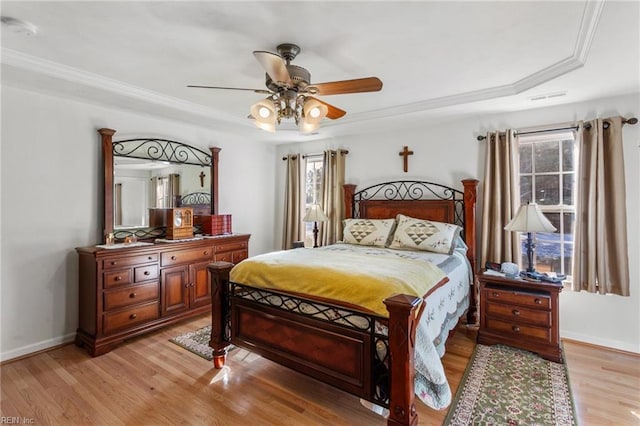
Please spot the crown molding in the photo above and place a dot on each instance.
(588, 26)
(59, 71)
(590, 18)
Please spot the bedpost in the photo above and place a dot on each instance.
(470, 199)
(402, 338)
(349, 190)
(219, 310)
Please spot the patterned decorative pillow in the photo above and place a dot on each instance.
(368, 232)
(427, 235)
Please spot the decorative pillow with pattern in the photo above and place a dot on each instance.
(368, 232)
(426, 235)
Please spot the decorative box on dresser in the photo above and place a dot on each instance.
(128, 291)
(520, 313)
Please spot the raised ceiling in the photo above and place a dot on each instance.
(436, 59)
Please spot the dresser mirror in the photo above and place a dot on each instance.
(145, 177)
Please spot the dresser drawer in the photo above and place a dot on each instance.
(145, 273)
(534, 300)
(131, 295)
(520, 314)
(127, 318)
(120, 262)
(513, 328)
(241, 245)
(186, 256)
(118, 278)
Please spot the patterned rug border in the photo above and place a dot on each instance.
(186, 341)
(573, 420)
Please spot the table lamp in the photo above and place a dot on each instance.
(315, 214)
(530, 219)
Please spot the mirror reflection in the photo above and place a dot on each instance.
(142, 188)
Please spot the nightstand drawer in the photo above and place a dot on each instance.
(520, 314)
(516, 329)
(532, 299)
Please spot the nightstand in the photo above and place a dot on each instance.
(520, 313)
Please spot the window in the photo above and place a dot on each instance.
(312, 190)
(547, 177)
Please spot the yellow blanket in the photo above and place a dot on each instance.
(354, 278)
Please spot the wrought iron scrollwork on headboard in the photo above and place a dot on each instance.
(406, 190)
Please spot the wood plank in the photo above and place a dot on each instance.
(149, 380)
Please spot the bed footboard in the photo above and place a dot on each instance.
(272, 334)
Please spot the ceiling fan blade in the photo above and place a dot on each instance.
(274, 66)
(333, 112)
(233, 88)
(358, 85)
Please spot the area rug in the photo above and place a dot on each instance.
(508, 386)
(196, 342)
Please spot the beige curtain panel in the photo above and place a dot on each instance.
(293, 229)
(500, 198)
(601, 260)
(332, 196)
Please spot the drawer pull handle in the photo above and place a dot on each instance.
(118, 278)
(147, 273)
(515, 328)
(495, 294)
(516, 312)
(114, 262)
(132, 295)
(133, 316)
(173, 258)
(150, 258)
(538, 301)
(206, 253)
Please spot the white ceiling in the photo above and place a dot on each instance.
(436, 59)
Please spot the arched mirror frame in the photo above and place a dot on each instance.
(174, 152)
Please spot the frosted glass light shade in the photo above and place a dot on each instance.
(529, 219)
(313, 112)
(264, 114)
(315, 214)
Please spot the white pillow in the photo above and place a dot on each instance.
(368, 232)
(426, 235)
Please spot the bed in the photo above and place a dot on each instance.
(361, 350)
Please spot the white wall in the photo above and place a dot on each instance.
(52, 199)
(449, 152)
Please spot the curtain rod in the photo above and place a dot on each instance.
(632, 120)
(341, 151)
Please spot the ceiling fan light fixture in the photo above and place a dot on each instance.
(314, 109)
(264, 113)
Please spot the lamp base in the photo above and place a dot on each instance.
(315, 234)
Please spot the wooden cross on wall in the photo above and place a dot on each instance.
(202, 175)
(406, 153)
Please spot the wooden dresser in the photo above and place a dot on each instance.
(125, 292)
(520, 313)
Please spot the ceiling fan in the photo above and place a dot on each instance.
(292, 95)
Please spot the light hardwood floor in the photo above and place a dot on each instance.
(150, 381)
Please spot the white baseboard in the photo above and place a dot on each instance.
(607, 343)
(36, 347)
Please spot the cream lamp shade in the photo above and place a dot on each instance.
(264, 113)
(315, 214)
(529, 219)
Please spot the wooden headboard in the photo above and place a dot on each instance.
(200, 202)
(419, 199)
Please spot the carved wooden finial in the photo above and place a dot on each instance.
(406, 153)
